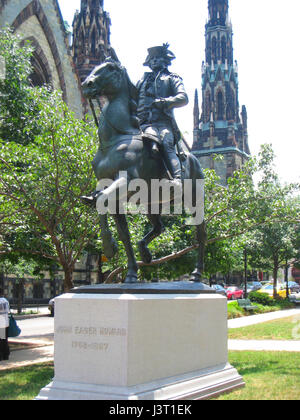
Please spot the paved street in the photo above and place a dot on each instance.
(36, 329)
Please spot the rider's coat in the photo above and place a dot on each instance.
(167, 86)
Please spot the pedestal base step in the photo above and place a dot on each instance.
(201, 385)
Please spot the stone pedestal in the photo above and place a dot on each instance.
(140, 347)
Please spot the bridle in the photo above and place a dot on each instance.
(115, 128)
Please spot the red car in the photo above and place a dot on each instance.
(234, 293)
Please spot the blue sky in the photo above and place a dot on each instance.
(266, 46)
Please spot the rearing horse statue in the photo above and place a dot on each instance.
(123, 156)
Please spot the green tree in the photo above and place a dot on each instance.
(19, 106)
(230, 213)
(272, 247)
(41, 200)
(45, 166)
(20, 268)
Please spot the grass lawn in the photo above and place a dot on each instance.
(281, 329)
(268, 376)
(25, 383)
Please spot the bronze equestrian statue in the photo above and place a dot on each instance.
(126, 153)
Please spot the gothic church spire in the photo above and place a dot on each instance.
(218, 12)
(91, 36)
(220, 130)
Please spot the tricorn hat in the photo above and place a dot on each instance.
(161, 51)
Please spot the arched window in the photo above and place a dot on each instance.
(93, 42)
(81, 41)
(208, 52)
(207, 107)
(223, 49)
(214, 49)
(220, 106)
(39, 75)
(230, 109)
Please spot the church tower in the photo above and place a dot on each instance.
(91, 36)
(220, 130)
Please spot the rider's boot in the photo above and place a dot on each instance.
(90, 200)
(174, 166)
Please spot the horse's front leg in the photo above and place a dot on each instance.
(123, 231)
(107, 202)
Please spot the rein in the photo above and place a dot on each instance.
(117, 129)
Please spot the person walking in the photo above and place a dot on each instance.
(4, 324)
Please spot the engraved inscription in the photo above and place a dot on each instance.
(82, 345)
(85, 331)
(82, 333)
(64, 330)
(117, 332)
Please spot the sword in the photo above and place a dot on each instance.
(94, 113)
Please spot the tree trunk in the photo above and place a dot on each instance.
(101, 277)
(20, 295)
(68, 283)
(2, 281)
(275, 277)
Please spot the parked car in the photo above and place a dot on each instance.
(234, 293)
(294, 287)
(269, 289)
(253, 286)
(295, 298)
(51, 306)
(219, 289)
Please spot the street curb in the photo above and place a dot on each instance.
(23, 317)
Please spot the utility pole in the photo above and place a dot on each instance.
(286, 278)
(246, 271)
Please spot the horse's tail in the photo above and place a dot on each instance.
(193, 168)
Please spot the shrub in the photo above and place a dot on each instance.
(234, 311)
(262, 298)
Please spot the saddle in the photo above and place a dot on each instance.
(156, 146)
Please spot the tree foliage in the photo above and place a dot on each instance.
(19, 106)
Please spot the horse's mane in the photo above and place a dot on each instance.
(133, 101)
(133, 92)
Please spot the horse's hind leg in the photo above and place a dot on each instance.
(124, 235)
(158, 229)
(201, 239)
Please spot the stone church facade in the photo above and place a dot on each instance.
(220, 129)
(56, 60)
(63, 64)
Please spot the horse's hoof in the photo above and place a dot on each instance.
(145, 253)
(110, 247)
(131, 279)
(196, 276)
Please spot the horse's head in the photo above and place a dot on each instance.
(105, 80)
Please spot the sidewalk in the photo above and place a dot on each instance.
(263, 345)
(20, 358)
(258, 319)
